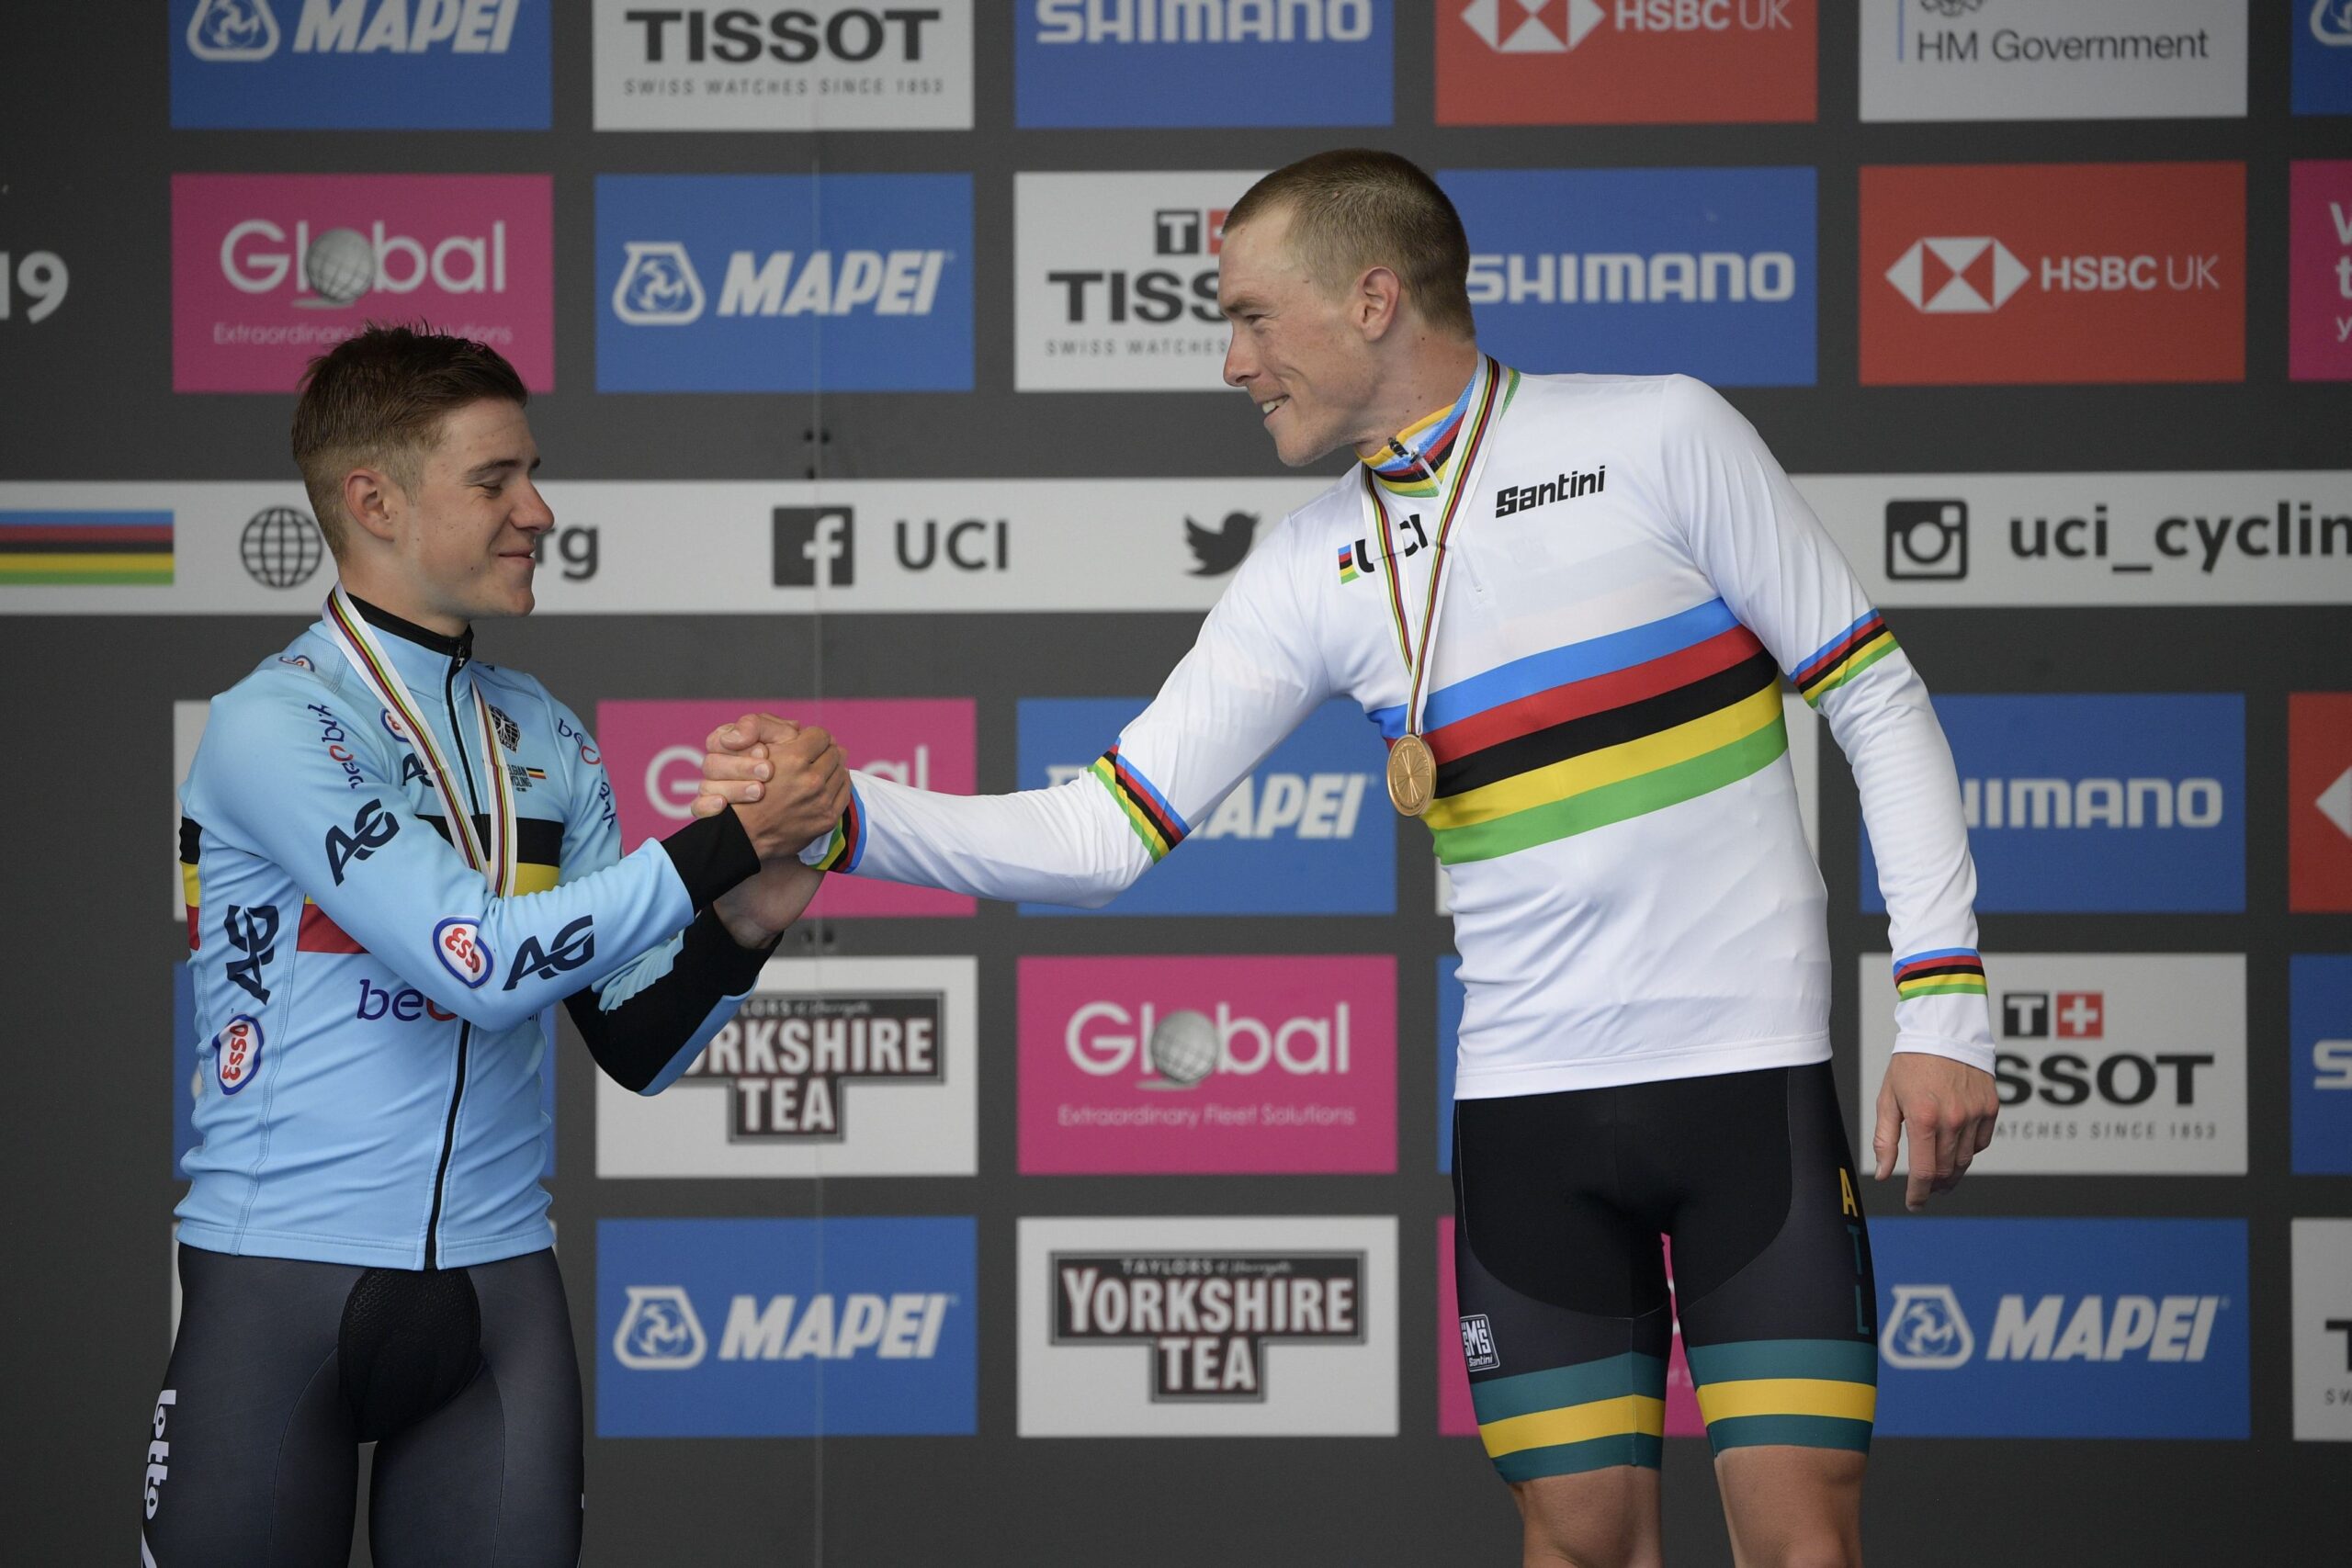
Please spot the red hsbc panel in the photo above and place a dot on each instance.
(1625, 61)
(2006, 273)
(2319, 800)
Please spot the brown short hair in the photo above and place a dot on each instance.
(378, 400)
(1357, 207)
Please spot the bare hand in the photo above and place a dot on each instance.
(1950, 1107)
(737, 764)
(798, 789)
(756, 912)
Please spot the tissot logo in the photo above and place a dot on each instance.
(1181, 231)
(1208, 1319)
(786, 1060)
(373, 65)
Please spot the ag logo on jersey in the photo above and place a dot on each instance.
(371, 831)
(659, 1331)
(574, 945)
(252, 932)
(1925, 1328)
(458, 944)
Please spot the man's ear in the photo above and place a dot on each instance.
(1379, 301)
(372, 501)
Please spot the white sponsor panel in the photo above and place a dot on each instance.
(2033, 60)
(2109, 1064)
(971, 546)
(832, 1066)
(2323, 1293)
(1804, 760)
(1204, 1327)
(187, 730)
(1116, 281)
(811, 65)
(2186, 538)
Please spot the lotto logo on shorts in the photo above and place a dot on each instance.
(2003, 272)
(1625, 61)
(270, 270)
(785, 1329)
(654, 750)
(1197, 1065)
(2062, 1328)
(1208, 1327)
(360, 64)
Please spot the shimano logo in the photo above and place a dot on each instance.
(659, 285)
(1612, 277)
(1203, 21)
(2092, 803)
(248, 30)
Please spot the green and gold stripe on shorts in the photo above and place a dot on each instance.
(1571, 1419)
(1813, 1394)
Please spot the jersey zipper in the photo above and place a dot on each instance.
(464, 1028)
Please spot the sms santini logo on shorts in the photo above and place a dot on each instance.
(360, 64)
(782, 1329)
(729, 283)
(2072, 1328)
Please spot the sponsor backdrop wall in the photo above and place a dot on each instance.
(872, 352)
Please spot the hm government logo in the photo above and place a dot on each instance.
(786, 1060)
(1926, 1330)
(659, 1331)
(659, 287)
(1207, 1317)
(1972, 276)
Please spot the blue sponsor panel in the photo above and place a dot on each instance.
(1310, 832)
(2319, 1023)
(2062, 1328)
(785, 1329)
(1705, 272)
(184, 1062)
(1176, 63)
(1448, 1039)
(2322, 55)
(784, 283)
(2098, 803)
(360, 64)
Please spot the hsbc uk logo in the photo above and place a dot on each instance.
(1543, 27)
(1208, 1318)
(786, 1059)
(1978, 274)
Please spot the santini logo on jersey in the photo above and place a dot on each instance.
(1208, 1317)
(787, 1057)
(1567, 487)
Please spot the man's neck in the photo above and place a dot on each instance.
(393, 597)
(1430, 383)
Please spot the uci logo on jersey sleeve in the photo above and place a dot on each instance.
(360, 64)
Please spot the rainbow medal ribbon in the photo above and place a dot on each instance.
(1412, 766)
(494, 860)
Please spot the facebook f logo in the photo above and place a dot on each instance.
(816, 546)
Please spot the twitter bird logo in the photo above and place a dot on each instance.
(1221, 551)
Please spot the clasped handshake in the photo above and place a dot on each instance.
(788, 783)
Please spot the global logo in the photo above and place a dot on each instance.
(1517, 26)
(342, 264)
(1971, 276)
(657, 286)
(1926, 1330)
(659, 1331)
(1183, 1046)
(232, 30)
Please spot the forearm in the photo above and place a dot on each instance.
(647, 1023)
(1071, 844)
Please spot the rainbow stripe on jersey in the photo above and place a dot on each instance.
(1844, 656)
(1429, 441)
(1597, 732)
(1147, 812)
(1945, 971)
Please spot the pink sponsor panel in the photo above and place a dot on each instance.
(2319, 272)
(1455, 1416)
(654, 752)
(268, 270)
(1253, 1065)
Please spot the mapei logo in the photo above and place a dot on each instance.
(1208, 1318)
(659, 285)
(247, 29)
(659, 1331)
(232, 30)
(360, 64)
(1927, 1331)
(786, 1060)
(2331, 23)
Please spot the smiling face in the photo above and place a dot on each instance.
(1298, 350)
(459, 537)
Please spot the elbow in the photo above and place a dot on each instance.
(496, 1014)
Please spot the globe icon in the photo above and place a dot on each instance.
(1183, 1047)
(340, 266)
(280, 546)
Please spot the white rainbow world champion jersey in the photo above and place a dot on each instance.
(1633, 898)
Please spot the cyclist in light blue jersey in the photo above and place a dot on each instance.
(395, 859)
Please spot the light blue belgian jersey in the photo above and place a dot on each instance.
(369, 1075)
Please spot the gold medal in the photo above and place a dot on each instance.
(1412, 774)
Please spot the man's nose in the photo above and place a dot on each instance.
(532, 514)
(1239, 365)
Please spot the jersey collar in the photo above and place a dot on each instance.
(1426, 442)
(424, 656)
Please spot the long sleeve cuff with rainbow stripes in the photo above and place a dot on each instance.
(1940, 999)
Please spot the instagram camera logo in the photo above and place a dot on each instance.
(1926, 539)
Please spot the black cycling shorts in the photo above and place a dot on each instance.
(464, 1378)
(1559, 1203)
